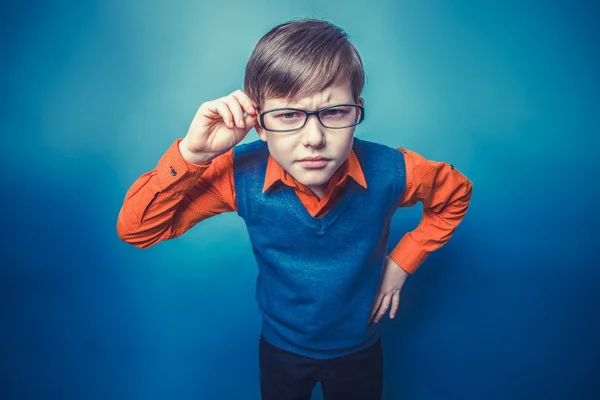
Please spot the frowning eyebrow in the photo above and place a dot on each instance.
(328, 103)
(297, 105)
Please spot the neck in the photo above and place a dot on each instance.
(318, 191)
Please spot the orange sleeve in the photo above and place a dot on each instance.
(445, 194)
(169, 200)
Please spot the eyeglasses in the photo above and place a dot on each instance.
(338, 116)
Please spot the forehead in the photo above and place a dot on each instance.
(337, 93)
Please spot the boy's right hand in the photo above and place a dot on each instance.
(218, 126)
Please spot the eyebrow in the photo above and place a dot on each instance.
(297, 106)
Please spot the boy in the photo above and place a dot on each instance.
(317, 203)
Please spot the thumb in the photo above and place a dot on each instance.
(240, 133)
(249, 122)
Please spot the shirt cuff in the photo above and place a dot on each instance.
(408, 254)
(175, 173)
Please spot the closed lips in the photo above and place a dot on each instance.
(314, 159)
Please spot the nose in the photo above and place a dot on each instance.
(313, 134)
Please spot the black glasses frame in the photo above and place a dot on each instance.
(308, 114)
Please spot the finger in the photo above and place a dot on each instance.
(375, 306)
(220, 108)
(375, 310)
(249, 122)
(384, 307)
(245, 101)
(395, 303)
(236, 110)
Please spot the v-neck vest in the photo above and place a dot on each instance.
(318, 277)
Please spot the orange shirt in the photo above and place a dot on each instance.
(169, 200)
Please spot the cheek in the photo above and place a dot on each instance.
(282, 149)
(342, 143)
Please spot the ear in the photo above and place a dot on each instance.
(361, 101)
(261, 132)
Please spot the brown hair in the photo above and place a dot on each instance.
(306, 55)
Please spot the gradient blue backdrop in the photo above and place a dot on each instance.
(95, 92)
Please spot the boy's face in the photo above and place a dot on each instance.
(290, 149)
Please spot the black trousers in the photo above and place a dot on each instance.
(288, 376)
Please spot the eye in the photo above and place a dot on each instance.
(335, 112)
(288, 115)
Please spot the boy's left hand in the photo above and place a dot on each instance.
(393, 278)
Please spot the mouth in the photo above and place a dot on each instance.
(314, 162)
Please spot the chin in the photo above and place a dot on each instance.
(314, 178)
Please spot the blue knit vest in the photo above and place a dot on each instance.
(318, 277)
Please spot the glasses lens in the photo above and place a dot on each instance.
(283, 120)
(289, 119)
(340, 116)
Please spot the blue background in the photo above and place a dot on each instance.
(95, 92)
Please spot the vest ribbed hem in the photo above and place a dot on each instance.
(274, 339)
